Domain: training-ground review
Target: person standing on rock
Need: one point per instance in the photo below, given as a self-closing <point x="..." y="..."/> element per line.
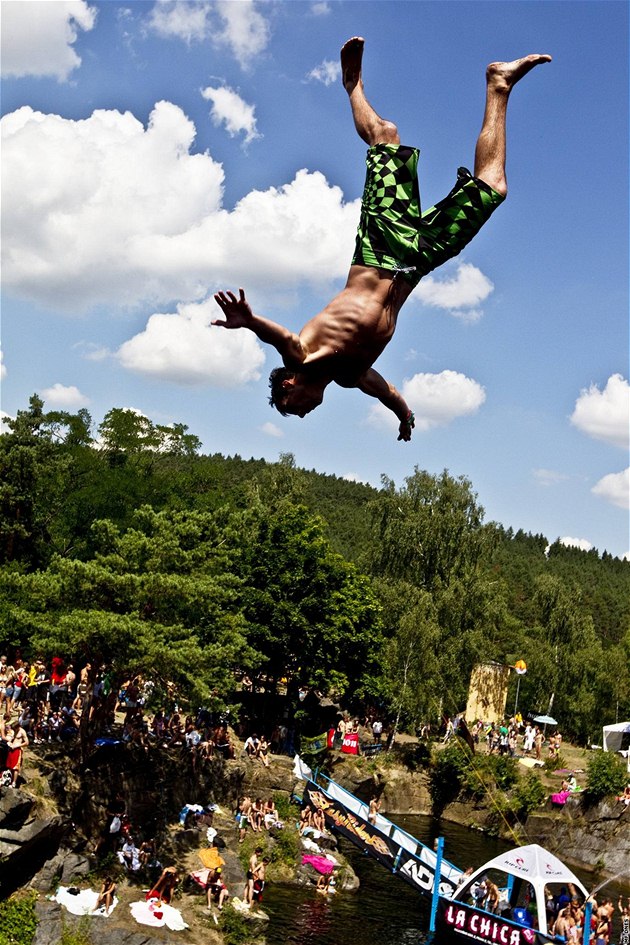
<point x="16" y="740"/>
<point x="254" y="861"/>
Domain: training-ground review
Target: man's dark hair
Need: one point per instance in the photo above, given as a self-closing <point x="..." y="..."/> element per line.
<point x="277" y="376"/>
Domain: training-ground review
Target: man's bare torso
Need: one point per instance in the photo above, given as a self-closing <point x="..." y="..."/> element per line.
<point x="347" y="336"/>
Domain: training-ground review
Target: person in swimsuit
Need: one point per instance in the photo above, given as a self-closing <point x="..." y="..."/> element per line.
<point x="397" y="244"/>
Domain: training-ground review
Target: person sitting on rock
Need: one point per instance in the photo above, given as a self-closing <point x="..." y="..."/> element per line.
<point x="106" y="895"/>
<point x="263" y="751"/>
<point x="270" y="813"/>
<point x="251" y="745"/>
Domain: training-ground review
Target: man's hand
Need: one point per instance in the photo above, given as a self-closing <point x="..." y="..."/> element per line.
<point x="238" y="313"/>
<point x="406" y="426"/>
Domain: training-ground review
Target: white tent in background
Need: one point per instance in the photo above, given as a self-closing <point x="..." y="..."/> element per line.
<point x="617" y="737"/>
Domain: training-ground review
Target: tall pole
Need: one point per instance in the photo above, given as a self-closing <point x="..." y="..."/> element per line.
<point x="518" y="688"/>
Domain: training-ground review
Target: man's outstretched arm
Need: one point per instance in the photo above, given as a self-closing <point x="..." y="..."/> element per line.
<point x="238" y="314"/>
<point x="374" y="385"/>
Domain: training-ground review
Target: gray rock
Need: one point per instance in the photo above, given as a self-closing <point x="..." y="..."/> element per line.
<point x="43" y="880"/>
<point x="15" y="808"/>
<point x="74" y="865"/>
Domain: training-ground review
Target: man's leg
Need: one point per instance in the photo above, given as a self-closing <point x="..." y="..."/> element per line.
<point x="370" y="126"/>
<point x="501" y="77"/>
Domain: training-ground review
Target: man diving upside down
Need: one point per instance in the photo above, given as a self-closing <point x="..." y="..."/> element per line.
<point x="397" y="244"/>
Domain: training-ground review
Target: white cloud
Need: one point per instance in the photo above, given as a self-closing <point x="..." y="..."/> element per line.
<point x="185" y="348"/>
<point x="270" y="429"/>
<point x="326" y="72"/>
<point x="549" y="477"/>
<point x="353" y="477"/>
<point x="238" y="25"/>
<point x="4" y="426"/>
<point x="65" y="397"/>
<point x="459" y="294"/>
<point x="320" y="8"/>
<point x="3" y="367"/>
<point x="229" y="109"/>
<point x="605" y="415"/>
<point x="614" y="488"/>
<point x="581" y="543"/>
<point x="181" y="20"/>
<point x="245" y="31"/>
<point x="37" y="36"/>
<point x="436" y="400"/>
<point x="92" y="352"/>
<point x="106" y="211"/>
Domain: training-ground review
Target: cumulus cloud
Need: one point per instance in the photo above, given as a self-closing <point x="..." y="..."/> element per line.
<point x="3" y="367"/>
<point x="436" y="400"/>
<point x="320" y="8"/>
<point x="65" y="397"/>
<point x="605" y="414"/>
<point x="238" y="26"/>
<point x="184" y="348"/>
<point x="229" y="109"/>
<point x="581" y="543"/>
<point x="106" y="211"/>
<point x="326" y="72"/>
<point x="614" y="488"/>
<point x="460" y="294"/>
<point x="38" y="36"/>
<point x="270" y="429"/>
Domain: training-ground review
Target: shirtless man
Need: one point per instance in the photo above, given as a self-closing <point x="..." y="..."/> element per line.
<point x="16" y="740"/>
<point x="396" y="246"/>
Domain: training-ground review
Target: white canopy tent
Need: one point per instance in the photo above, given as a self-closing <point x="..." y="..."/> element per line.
<point x="617" y="737"/>
<point x="533" y="864"/>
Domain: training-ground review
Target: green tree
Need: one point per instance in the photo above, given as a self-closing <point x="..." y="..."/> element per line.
<point x="160" y="599"/>
<point x="313" y="617"/>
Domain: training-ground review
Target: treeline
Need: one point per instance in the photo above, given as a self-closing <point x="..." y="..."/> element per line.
<point x="123" y="546"/>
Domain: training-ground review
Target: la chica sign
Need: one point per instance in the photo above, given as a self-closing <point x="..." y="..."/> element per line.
<point x="465" y="922"/>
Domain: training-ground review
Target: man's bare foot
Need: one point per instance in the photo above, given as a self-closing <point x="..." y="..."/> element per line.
<point x="351" y="57"/>
<point x="503" y="76"/>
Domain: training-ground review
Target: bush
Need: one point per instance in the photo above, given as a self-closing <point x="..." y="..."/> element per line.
<point x="287" y="812"/>
<point x="528" y="795"/>
<point x="555" y="764"/>
<point x="605" y="776"/>
<point x="234" y="928"/>
<point x="286" y="848"/>
<point x="17" y="919"/>
<point x="448" y="773"/>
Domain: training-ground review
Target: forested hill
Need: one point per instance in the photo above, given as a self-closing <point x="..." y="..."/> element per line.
<point x="125" y="545"/>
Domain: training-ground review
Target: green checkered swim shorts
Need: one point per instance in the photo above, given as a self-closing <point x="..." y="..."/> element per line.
<point x="393" y="232"/>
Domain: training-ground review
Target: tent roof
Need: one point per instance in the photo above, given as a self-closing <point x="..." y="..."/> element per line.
<point x="534" y="862"/>
<point x="618" y="727"/>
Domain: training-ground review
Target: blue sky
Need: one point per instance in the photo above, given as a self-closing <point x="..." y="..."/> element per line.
<point x="154" y="153"/>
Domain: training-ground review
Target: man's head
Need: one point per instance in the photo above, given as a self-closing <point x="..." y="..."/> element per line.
<point x="293" y="393"/>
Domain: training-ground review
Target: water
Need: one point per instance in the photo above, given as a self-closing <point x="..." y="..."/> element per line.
<point x="385" y="911"/>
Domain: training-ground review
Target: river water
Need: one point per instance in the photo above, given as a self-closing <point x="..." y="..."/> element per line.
<point x="385" y="911"/>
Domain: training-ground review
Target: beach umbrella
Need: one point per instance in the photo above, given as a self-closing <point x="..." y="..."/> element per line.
<point x="545" y="720"/>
